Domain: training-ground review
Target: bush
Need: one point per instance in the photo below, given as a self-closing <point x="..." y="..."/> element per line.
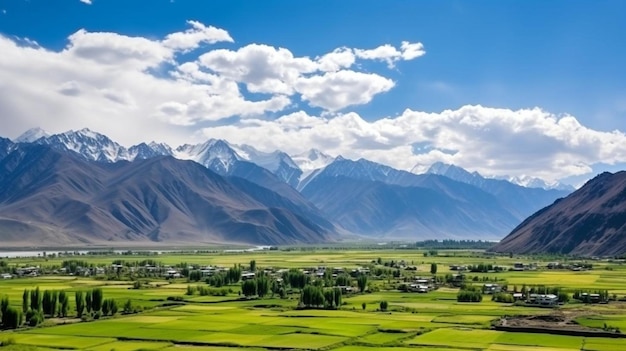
<point x="469" y="294"/>
<point x="503" y="297"/>
<point x="383" y="305"/>
<point x="34" y="318"/>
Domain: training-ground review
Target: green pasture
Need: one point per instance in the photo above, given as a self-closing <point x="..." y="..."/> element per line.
<point x="434" y="321"/>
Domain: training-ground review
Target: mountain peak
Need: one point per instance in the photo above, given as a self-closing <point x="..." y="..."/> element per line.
<point x="31" y="135"/>
<point x="453" y="172"/>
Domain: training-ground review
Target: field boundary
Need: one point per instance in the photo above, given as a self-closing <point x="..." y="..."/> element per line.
<point x="568" y="332"/>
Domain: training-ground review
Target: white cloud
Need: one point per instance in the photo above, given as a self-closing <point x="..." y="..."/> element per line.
<point x="71" y="88"/>
<point x="120" y="84"/>
<point x="117" y="51"/>
<point x="492" y="141"/>
<point x="337" y="90"/>
<point x="115" y="90"/>
<point x="193" y="37"/>
<point x="264" y="69"/>
<point x="336" y="60"/>
<point x="390" y="54"/>
<point x="88" y="2"/>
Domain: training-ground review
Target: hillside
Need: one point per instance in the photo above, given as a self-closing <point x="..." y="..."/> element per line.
<point x="51" y="196"/>
<point x="589" y="222"/>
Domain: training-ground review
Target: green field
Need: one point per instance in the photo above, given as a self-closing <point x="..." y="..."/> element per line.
<point x="166" y="318"/>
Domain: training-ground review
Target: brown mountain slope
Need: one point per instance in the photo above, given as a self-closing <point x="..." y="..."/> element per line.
<point x="52" y="198"/>
<point x="589" y="222"/>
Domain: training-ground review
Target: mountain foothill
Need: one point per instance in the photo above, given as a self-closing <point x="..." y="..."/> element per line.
<point x="80" y="188"/>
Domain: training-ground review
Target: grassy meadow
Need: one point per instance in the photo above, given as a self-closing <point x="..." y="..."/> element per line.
<point x="169" y="319"/>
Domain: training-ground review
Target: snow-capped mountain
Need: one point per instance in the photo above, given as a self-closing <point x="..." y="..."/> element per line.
<point x="456" y="173"/>
<point x="221" y="156"/>
<point x="475" y="178"/>
<point x="311" y="160"/>
<point x="214" y="154"/>
<point x="31" y="135"/>
<point x="532" y="182"/>
<point x="360" y="169"/>
<point x="89" y="144"/>
<point x="276" y="162"/>
<point x="145" y="151"/>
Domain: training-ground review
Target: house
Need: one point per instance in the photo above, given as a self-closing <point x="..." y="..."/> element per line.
<point x="518" y="296"/>
<point x="248" y="275"/>
<point x="6" y="276"/>
<point x="518" y="266"/>
<point x="29" y="271"/>
<point x="346" y="289"/>
<point x="171" y="273"/>
<point x="457" y="267"/>
<point x="419" y="288"/>
<point x="491" y="288"/>
<point x="543" y="300"/>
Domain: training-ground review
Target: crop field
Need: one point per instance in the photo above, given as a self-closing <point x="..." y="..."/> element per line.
<point x="166" y="317"/>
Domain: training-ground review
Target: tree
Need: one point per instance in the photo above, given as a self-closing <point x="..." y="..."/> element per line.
<point x="25" y="300"/>
<point x="343" y="280"/>
<point x="337" y="297"/>
<point x="362" y="282"/>
<point x="433" y="268"/>
<point x="96" y="299"/>
<point x="105" y="307"/>
<point x="128" y="307"/>
<point x="46" y="303"/>
<point x="329" y="299"/>
<point x="35" y="299"/>
<point x="11" y="318"/>
<point x="54" y="297"/>
<point x="89" y="301"/>
<point x="234" y="274"/>
<point x="312" y="296"/>
<point x="80" y="303"/>
<point x="249" y="287"/>
<point x="113" y="307"/>
<point x="64" y="304"/>
<point x="253" y="266"/>
<point x="262" y="286"/>
<point x="4" y="305"/>
<point x="383" y="305"/>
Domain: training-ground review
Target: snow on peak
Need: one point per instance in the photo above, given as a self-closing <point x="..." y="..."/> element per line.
<point x="31" y="135"/>
<point x="534" y="182"/>
<point x="453" y="172"/>
<point x="215" y="154"/>
<point x="312" y="160"/>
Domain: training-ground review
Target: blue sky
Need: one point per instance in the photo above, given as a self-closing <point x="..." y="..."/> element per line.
<point x="564" y="57"/>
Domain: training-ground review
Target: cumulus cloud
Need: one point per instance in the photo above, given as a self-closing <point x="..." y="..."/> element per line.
<point x="263" y="68"/>
<point x="193" y="37"/>
<point x="390" y="54"/>
<point x="491" y="141"/>
<point x="336" y="60"/>
<point x="337" y="90"/>
<point x="118" y="51"/>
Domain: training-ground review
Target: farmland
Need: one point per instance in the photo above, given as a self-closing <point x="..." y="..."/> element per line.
<point x="166" y="317"/>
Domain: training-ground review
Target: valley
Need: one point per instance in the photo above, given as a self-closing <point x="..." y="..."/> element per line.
<point x="160" y="313"/>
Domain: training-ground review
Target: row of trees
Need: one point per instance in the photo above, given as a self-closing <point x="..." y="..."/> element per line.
<point x="259" y="286"/>
<point x="470" y="293"/>
<point x="317" y="297"/>
<point x="585" y="295"/>
<point x="10" y="317"/>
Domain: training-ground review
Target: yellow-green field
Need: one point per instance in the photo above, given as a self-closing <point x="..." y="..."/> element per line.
<point x="434" y="321"/>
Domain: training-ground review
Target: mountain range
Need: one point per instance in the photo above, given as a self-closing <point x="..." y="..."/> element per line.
<point x="221" y="192"/>
<point x="591" y="221"/>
